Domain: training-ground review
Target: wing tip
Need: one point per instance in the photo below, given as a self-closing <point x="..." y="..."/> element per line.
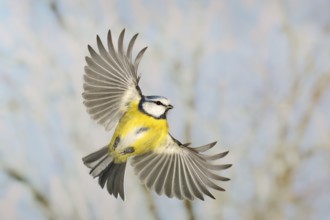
<point x="122" y="35"/>
<point x="144" y="49"/>
<point x="226" y="166"/>
<point x="225" y="179"/>
<point x="98" y="40"/>
<point x="136" y="35"/>
<point x="89" y="47"/>
<point x="211" y="196"/>
<point x="225" y="153"/>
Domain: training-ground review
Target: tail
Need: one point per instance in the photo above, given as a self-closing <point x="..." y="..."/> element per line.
<point x="103" y="167"/>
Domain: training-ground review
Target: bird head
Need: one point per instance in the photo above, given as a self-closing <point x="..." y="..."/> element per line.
<point x="155" y="106"/>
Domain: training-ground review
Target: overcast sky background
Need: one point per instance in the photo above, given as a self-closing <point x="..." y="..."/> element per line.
<point x="253" y="75"/>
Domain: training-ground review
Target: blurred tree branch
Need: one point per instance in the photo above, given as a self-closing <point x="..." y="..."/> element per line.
<point x="40" y="198"/>
<point x="284" y="160"/>
<point x="151" y="203"/>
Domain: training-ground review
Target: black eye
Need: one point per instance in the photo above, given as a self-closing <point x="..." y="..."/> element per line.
<point x="159" y="103"/>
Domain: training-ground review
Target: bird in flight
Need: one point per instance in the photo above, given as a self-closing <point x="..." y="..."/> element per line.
<point x="114" y="99"/>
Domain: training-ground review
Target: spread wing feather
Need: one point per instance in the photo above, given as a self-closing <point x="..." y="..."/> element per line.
<point x="178" y="170"/>
<point x="111" y="80"/>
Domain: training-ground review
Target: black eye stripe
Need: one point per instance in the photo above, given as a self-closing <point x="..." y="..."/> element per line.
<point x="159" y="103"/>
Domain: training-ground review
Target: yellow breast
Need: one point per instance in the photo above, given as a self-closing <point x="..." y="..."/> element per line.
<point x="154" y="134"/>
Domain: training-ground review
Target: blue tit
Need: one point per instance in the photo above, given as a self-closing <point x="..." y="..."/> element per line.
<point x="114" y="99"/>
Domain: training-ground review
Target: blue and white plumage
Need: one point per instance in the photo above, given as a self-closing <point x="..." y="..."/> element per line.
<point x="114" y="99"/>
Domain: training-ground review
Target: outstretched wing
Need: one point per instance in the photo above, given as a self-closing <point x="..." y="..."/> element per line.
<point x="178" y="170"/>
<point x="111" y="80"/>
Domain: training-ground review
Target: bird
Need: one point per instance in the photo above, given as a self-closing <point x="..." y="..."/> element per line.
<point x="113" y="98"/>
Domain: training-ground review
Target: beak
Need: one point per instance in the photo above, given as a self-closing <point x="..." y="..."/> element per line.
<point x="169" y="106"/>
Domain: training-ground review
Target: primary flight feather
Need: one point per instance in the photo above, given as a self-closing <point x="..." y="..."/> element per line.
<point x="114" y="99"/>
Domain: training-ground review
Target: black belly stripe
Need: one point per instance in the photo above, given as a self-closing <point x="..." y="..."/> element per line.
<point x="142" y="129"/>
<point x="115" y="145"/>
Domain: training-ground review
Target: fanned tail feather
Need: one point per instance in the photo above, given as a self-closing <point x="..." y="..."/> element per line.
<point x="108" y="172"/>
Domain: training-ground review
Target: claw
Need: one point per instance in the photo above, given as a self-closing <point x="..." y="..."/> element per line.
<point x="128" y="150"/>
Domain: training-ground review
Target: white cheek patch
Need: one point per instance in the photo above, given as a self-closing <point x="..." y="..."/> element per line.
<point x="153" y="109"/>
